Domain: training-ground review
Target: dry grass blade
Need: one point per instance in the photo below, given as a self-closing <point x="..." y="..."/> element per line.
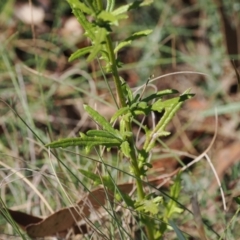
<point x="204" y="154"/>
<point x="29" y="184"/>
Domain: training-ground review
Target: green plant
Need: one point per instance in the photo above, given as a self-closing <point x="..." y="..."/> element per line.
<point x="98" y="21"/>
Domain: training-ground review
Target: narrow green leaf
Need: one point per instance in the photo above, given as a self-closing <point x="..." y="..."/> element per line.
<point x="137" y="4"/>
<point x="67" y="142"/>
<point x="139" y="34"/>
<point x="134" y="5"/>
<point x="85" y="141"/>
<point x="98" y="43"/>
<point x="121" y="10"/>
<point x="104" y="180"/>
<point x="110" y="5"/>
<point x="170" y="103"/>
<point x="80" y="52"/>
<point x="127" y="91"/>
<point x="95" y="50"/>
<point x="122" y="45"/>
<point x="76" y="4"/>
<point x="99" y="119"/>
<point x="125" y="148"/>
<point x="81" y="12"/>
<point x="146" y="3"/>
<point x="180" y="236"/>
<point x="119" y="112"/>
<point x="170" y="107"/>
<point x="108" y="16"/>
<point x="96" y="178"/>
<point x="91" y="141"/>
<point x="88" y="27"/>
<point x="172" y="206"/>
<point x="100" y="133"/>
<point x="160" y="94"/>
<point x="129" y="40"/>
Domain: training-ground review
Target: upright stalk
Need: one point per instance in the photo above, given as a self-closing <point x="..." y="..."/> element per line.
<point x="133" y="157"/>
<point x="122" y="102"/>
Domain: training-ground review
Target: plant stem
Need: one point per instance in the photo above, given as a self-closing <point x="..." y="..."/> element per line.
<point x="122" y="103"/>
<point x="133" y="157"/>
<point x="116" y="77"/>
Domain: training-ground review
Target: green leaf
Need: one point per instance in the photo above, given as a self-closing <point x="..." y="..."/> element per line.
<point x="97" y="5"/>
<point x="172" y="206"/>
<point x="134" y="5"/>
<point x="135" y="107"/>
<point x="97" y="179"/>
<point x="127" y="91"/>
<point x="95" y="50"/>
<point x="170" y="107"/>
<point x="76" y="4"/>
<point x="100" y="141"/>
<point x="80" y="52"/>
<point x="121" y="10"/>
<point x="140" y="108"/>
<point x="122" y="45"/>
<point x="109" y="17"/>
<point x="170" y="104"/>
<point x="149" y="205"/>
<point x="180" y="236"/>
<point x="100" y="133"/>
<point x="139" y="34"/>
<point x="137" y="4"/>
<point x="99" y="119"/>
<point x="146" y="3"/>
<point x="160" y="94"/>
<point x="86" y="141"/>
<point x="129" y="40"/>
<point x="110" y="5"/>
<point x="98" y="43"/>
<point x="119" y="112"/>
<point x="125" y="148"/>
<point x="82" y="19"/>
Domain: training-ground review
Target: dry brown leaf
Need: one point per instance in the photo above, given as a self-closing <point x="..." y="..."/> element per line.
<point x="23" y="219"/>
<point x="67" y="217"/>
